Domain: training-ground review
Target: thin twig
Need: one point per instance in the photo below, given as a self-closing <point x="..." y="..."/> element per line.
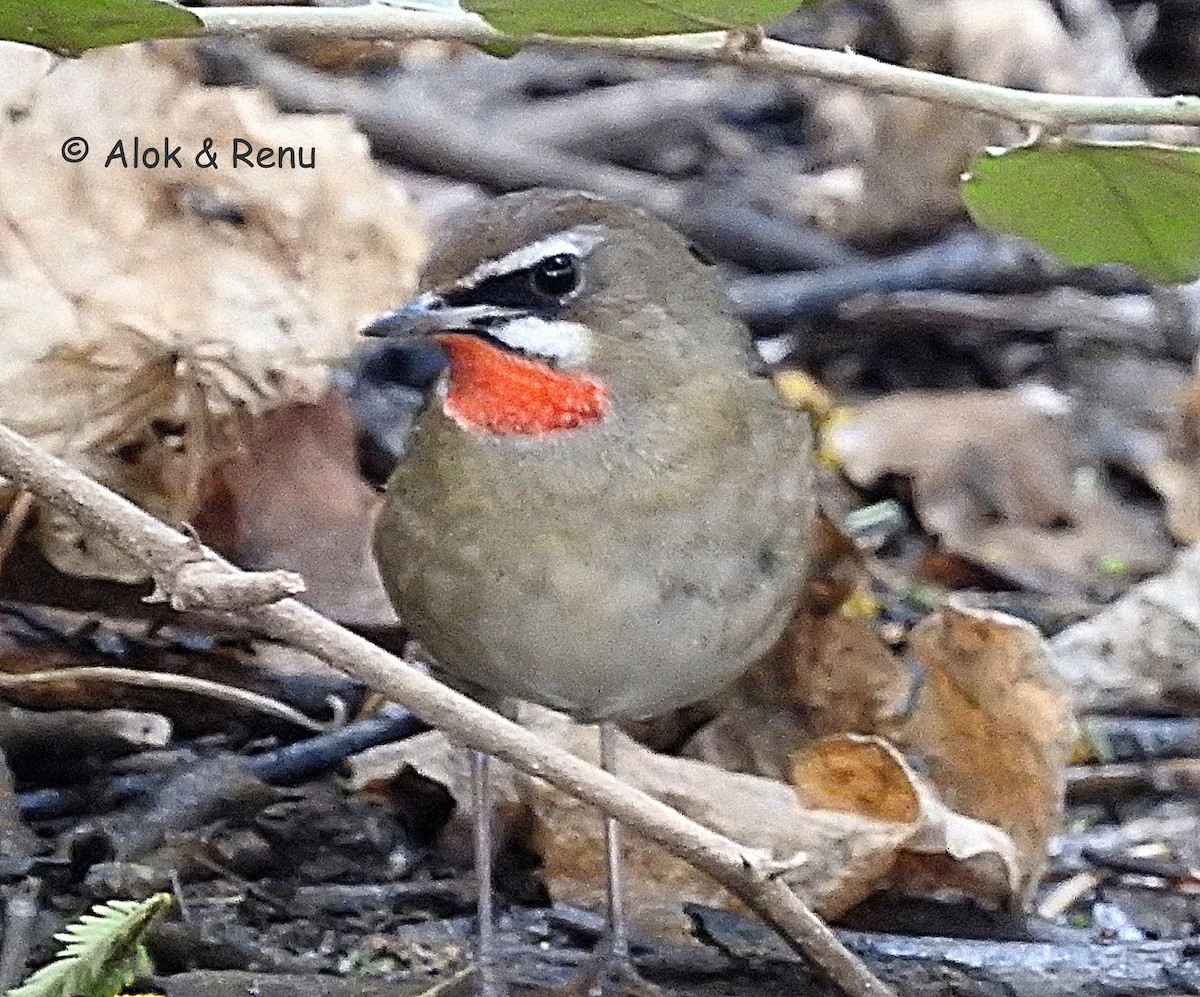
<point x="20" y="921"/>
<point x="14" y="522"/>
<point x="165" y="680"/>
<point x="201" y="582"/>
<point x="1051" y="112"/>
<point x="736" y="867"/>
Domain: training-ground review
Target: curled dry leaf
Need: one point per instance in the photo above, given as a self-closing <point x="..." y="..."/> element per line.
<point x="845" y="855"/>
<point x="938" y="849"/>
<point x="993" y="729"/>
<point x="989" y="726"/>
<point x="996" y="477"/>
<point x="146" y="315"/>
<point x="859" y="821"/>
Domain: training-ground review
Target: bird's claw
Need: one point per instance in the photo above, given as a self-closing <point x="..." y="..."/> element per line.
<point x="607" y="973"/>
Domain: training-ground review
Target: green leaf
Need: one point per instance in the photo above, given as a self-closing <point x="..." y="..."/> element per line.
<point x="624" y="18"/>
<point x="69" y="27"/>
<point x="429" y="6"/>
<point x="1092" y="203"/>
<point x="104" y="952"/>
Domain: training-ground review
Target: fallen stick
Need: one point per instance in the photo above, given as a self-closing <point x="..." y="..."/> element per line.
<point x="167" y="553"/>
<point x="280" y="767"/>
<point x="971" y="967"/>
<point x="441" y="140"/>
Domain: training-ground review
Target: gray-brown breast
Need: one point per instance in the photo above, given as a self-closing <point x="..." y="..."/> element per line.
<point x="616" y="571"/>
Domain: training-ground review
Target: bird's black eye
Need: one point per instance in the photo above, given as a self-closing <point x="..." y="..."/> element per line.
<point x="556" y="276"/>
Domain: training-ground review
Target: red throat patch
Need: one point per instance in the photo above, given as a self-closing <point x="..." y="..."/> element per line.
<point x="505" y="393"/>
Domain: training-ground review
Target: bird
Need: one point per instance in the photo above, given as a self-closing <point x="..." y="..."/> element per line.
<point x="605" y="506"/>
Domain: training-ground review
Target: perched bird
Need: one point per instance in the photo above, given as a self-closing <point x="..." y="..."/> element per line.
<point x="605" y="508"/>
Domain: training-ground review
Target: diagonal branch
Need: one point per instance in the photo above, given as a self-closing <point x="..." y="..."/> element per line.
<point x="163" y="550"/>
<point x="1051" y="112"/>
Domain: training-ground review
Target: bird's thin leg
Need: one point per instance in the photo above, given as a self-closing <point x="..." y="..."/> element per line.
<point x="610" y="963"/>
<point x="615" y="964"/>
<point x="490" y="982"/>
<point x="618" y="929"/>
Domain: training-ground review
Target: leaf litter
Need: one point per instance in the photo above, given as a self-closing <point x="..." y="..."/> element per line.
<point x="929" y="761"/>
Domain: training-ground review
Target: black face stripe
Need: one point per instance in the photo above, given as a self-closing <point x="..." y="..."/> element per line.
<point x="517" y="289"/>
<point x="507" y="290"/>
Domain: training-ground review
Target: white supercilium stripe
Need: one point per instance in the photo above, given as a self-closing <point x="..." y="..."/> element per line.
<point x="577" y="242"/>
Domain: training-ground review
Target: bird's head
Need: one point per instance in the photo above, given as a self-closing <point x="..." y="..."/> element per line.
<point x="550" y="307"/>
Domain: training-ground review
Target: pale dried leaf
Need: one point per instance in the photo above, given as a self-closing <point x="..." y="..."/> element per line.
<point x="894" y="164"/>
<point x="991" y="732"/>
<point x="1142" y="653"/>
<point x="846" y="856"/>
<point x="994" y="729"/>
<point x="146" y="315"/>
<point x="996" y="477"/>
<point x="940" y="850"/>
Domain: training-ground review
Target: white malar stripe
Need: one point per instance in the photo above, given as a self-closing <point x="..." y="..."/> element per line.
<point x="565" y="342"/>
<point x="575" y="242"/>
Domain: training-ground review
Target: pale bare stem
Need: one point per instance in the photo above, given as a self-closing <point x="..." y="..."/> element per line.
<point x="162" y="549"/>
<point x="14" y="522"/>
<point x="1052" y="111"/>
<point x="205" y="584"/>
<point x="165" y="680"/>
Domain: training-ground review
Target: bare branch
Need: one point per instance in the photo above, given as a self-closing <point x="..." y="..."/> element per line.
<point x="162" y="549"/>
<point x="165" y="680"/>
<point x="1050" y="112"/>
<point x="204" y="584"/>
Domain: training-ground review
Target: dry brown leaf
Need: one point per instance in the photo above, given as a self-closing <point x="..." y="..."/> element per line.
<point x="147" y="315"/>
<point x="991" y="732"/>
<point x="994" y="729"/>
<point x="846" y="854"/>
<point x="862" y="820"/>
<point x="858" y="775"/>
<point x="829" y="674"/>
<point x="293" y="499"/>
<point x="940" y="850"/>
<point x="996" y="478"/>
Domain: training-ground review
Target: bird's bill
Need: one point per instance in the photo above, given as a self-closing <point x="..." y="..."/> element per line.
<point x="430" y="314"/>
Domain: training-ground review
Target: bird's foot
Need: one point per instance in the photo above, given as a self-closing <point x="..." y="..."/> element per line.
<point x="609" y="974"/>
<point x="470" y="982"/>
<point x="490" y="985"/>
